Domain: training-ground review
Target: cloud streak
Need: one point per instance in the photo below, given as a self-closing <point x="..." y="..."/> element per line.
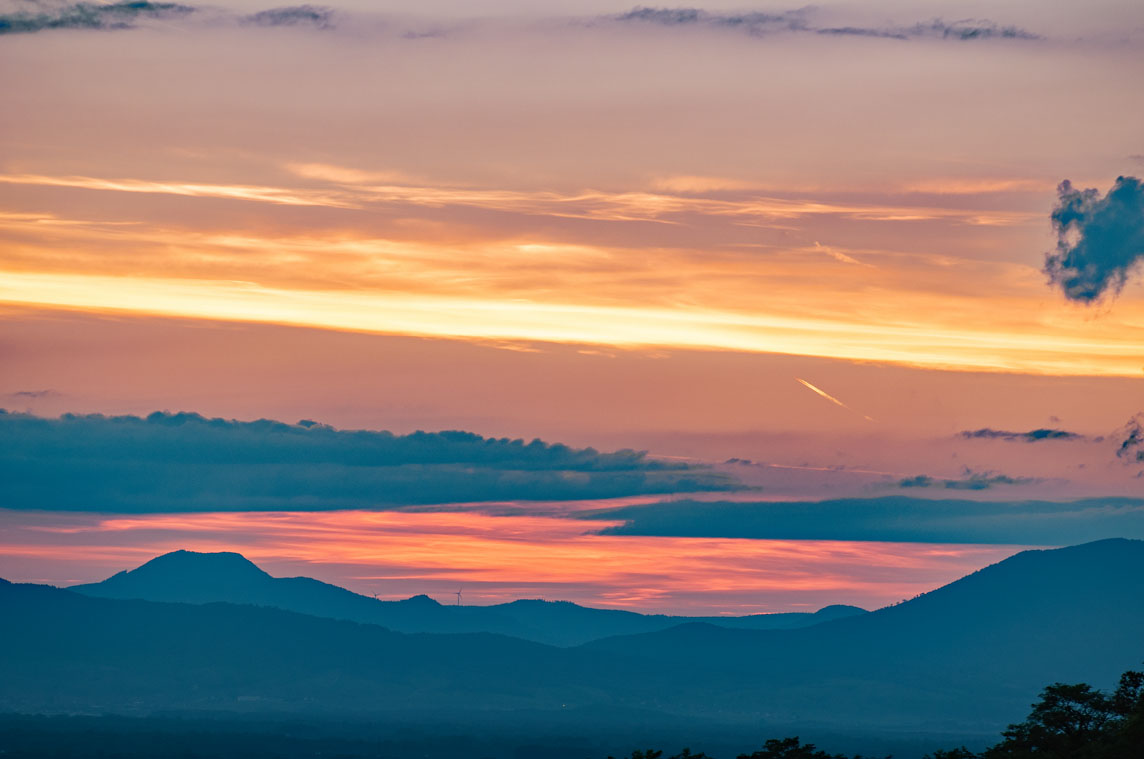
<point x="1100" y="240"/>
<point x="98" y="16"/>
<point x="802" y="20"/>
<point x="971" y="481"/>
<point x="893" y="518"/>
<point x="1032" y="436"/>
<point x="122" y="15"/>
<point x="294" y="15"/>
<point x="348" y="190"/>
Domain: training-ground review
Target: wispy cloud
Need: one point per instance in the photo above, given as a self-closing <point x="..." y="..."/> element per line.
<point x="805" y="20"/>
<point x="295" y="15"/>
<point x="276" y="195"/>
<point x="1032" y="436"/>
<point x="126" y="14"/>
<point x="754" y="23"/>
<point x="1131" y="447"/>
<point x="33" y="394"/>
<point x="102" y="16"/>
<point x="970" y="481"/>
<point x="350" y="188"/>
<point x="962" y="30"/>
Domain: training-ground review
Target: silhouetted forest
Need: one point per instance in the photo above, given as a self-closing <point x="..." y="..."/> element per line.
<point x="1067" y="722"/>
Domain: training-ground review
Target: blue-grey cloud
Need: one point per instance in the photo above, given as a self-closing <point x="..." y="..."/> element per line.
<point x="801" y="20"/>
<point x="1100" y="240"/>
<point x="970" y="481"/>
<point x="294" y="15"/>
<point x="893" y="518"/>
<point x="862" y="31"/>
<point x="1032" y="436"/>
<point x="1131" y="447"/>
<point x="185" y="462"/>
<point x="750" y="22"/>
<point x="121" y="15"/>
<point x="969" y="29"/>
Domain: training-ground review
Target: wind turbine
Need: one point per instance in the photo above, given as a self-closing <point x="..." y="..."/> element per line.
<point x="459" y="590"/>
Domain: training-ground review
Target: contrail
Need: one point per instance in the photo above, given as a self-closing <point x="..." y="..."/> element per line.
<point x="831" y="398"/>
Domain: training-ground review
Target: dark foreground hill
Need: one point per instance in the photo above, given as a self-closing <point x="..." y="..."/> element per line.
<point x="968" y="658"/>
<point x="189" y="577"/>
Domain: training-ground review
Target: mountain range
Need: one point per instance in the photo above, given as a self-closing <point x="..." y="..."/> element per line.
<point x="966" y="658"/>
<point x="198" y="578"/>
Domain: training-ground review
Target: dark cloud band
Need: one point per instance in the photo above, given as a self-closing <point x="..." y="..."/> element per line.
<point x="185" y="462"/>
<point x="894" y="518"/>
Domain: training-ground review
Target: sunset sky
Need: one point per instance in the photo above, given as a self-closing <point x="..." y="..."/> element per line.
<point x="804" y="247"/>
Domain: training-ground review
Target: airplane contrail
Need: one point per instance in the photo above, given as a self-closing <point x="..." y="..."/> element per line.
<point x="831" y="398"/>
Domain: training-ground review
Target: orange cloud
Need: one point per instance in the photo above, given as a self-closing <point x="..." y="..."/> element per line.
<point x="516" y="278"/>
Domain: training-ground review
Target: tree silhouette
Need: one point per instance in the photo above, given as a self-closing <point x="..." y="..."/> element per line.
<point x="1080" y="722"/>
<point x="789" y="748"/>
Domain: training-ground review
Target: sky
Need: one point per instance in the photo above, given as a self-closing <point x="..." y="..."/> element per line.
<point x="863" y="250"/>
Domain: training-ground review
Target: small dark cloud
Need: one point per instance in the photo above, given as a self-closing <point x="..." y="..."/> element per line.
<point x="1100" y="240"/>
<point x="970" y="481"/>
<point x="1032" y="436"/>
<point x="187" y="462"/>
<point x="294" y="15"/>
<point x="752" y="22"/>
<point x="1131" y="436"/>
<point x="30" y="395"/>
<point x="426" y="34"/>
<point x="970" y="29"/>
<point x="88" y="16"/>
<point x="800" y="21"/>
<point x="860" y="31"/>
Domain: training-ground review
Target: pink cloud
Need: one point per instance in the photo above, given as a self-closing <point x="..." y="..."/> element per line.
<point x="497" y="558"/>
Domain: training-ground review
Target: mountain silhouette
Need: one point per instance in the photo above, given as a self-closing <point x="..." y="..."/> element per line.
<point x="967" y="657"/>
<point x="190" y="577"/>
<point x="1069" y="614"/>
